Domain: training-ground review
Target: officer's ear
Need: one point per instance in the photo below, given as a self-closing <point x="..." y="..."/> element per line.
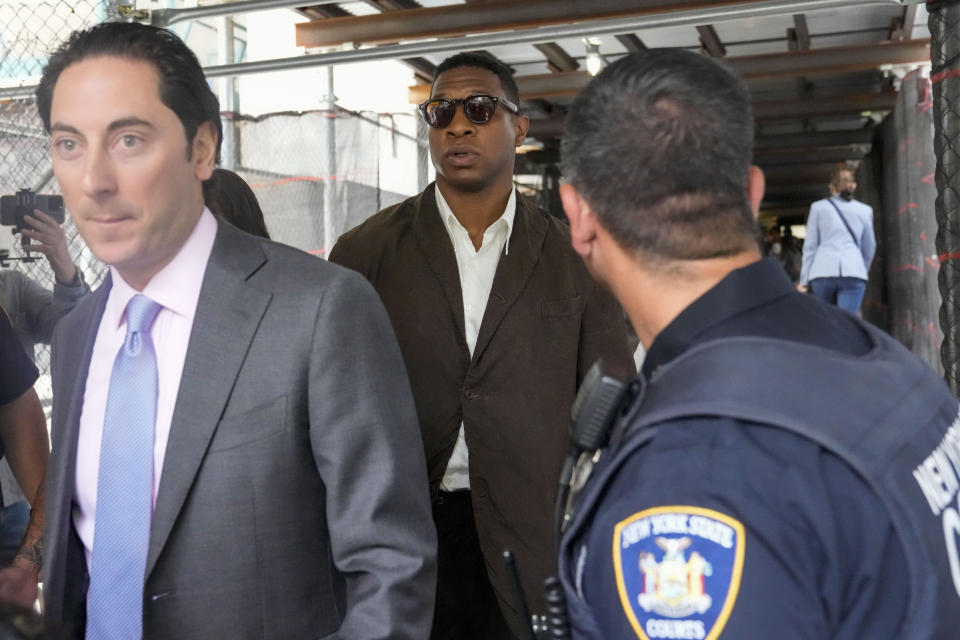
<point x="583" y="220"/>
<point x="756" y="186"/>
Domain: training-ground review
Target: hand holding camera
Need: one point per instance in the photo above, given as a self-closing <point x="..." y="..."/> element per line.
<point x="47" y="237"/>
<point x="37" y="217"/>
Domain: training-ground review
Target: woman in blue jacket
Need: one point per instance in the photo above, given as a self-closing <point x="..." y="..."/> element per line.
<point x="839" y="246"/>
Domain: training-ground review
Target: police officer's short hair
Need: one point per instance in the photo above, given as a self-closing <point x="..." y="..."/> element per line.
<point x="660" y="144"/>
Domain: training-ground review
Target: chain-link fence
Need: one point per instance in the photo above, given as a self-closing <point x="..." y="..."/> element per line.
<point x="29" y="31"/>
<point x="945" y="77"/>
<point x="316" y="174"/>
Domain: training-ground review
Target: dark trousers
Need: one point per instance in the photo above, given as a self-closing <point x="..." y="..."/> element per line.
<point x="466" y="605"/>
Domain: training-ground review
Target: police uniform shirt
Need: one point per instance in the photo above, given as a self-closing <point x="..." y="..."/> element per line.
<point x="819" y="557"/>
<point x="17" y="373"/>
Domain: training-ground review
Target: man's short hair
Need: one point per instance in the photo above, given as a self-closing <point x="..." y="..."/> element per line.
<point x="660" y="144"/>
<point x="483" y="60"/>
<point x="183" y="87"/>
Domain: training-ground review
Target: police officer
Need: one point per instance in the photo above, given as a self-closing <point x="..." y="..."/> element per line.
<point x="781" y="469"/>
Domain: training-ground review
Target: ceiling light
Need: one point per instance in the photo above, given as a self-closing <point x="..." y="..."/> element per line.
<point x="595" y="60"/>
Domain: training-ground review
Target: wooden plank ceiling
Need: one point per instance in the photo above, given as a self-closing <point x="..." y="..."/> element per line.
<point x="821" y="81"/>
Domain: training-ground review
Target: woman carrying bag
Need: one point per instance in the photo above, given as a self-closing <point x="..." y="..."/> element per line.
<point x="839" y="246"/>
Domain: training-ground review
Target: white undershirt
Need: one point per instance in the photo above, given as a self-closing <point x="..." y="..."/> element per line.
<point x="476" y="268"/>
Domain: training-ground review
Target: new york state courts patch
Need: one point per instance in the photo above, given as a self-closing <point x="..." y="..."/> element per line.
<point x="678" y="571"/>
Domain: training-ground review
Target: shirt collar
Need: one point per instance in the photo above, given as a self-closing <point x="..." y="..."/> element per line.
<point x="176" y="287"/>
<point x="741" y="290"/>
<point x="507" y="217"/>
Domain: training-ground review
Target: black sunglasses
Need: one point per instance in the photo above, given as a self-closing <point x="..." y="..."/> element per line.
<point x="478" y="108"/>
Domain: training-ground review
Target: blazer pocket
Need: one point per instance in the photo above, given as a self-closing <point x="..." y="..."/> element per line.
<point x="561" y="307"/>
<point x="251" y="426"/>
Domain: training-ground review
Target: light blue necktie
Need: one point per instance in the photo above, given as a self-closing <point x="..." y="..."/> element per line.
<point x="125" y="484"/>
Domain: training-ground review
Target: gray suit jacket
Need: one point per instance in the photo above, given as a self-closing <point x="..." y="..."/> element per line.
<point x="293" y="501"/>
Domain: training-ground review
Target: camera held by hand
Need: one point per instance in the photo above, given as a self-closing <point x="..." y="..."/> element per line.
<point x="14" y="208"/>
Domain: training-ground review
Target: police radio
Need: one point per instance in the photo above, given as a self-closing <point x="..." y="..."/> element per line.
<point x="594" y="412"/>
<point x="598" y="403"/>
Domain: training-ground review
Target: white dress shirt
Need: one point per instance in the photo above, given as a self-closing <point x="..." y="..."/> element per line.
<point x="177" y="288"/>
<point x="477" y="268"/>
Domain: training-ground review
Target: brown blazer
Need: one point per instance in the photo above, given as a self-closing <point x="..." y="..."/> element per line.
<point x="545" y="324"/>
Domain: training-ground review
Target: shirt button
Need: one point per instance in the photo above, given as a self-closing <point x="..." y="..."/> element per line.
<point x="469" y="307"/>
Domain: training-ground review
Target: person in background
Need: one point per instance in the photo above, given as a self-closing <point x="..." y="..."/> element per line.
<point x="230" y="198"/>
<point x="791" y="255"/>
<point x="823" y="507"/>
<point x="33" y="310"/>
<point x="23" y="439"/>
<point x="498" y="322"/>
<point x="34" y="313"/>
<point x="839" y="246"/>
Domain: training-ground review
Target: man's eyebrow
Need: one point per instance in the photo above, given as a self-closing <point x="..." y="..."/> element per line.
<point x="129" y="122"/>
<point x="57" y="126"/>
<point x="116" y="124"/>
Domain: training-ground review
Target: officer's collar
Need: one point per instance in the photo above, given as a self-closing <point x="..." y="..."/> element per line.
<point x="741" y="290"/>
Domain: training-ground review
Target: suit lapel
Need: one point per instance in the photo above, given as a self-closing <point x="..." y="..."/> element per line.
<point x="513" y="270"/>
<point x="75" y="353"/>
<point x="228" y="314"/>
<point x="435" y="245"/>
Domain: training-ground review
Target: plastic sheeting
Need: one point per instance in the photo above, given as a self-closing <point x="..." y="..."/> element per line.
<point x="318" y="174"/>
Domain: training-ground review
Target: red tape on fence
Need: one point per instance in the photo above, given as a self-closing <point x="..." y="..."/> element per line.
<point x="943" y="75"/>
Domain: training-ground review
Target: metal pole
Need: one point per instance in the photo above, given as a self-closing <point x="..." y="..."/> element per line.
<point x="44" y="181"/>
<point x="423" y="154"/>
<point x="228" y="93"/>
<point x="331" y="226"/>
<point x="166" y="17"/>
<point x="945" y="76"/>
<point x="758" y="9"/>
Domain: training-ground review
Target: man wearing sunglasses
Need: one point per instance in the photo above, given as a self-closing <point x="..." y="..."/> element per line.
<point x="498" y="321"/>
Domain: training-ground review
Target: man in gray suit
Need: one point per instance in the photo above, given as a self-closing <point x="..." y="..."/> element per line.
<point x="282" y="455"/>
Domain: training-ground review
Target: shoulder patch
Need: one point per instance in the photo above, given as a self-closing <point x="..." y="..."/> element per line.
<point x="678" y="571"/>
